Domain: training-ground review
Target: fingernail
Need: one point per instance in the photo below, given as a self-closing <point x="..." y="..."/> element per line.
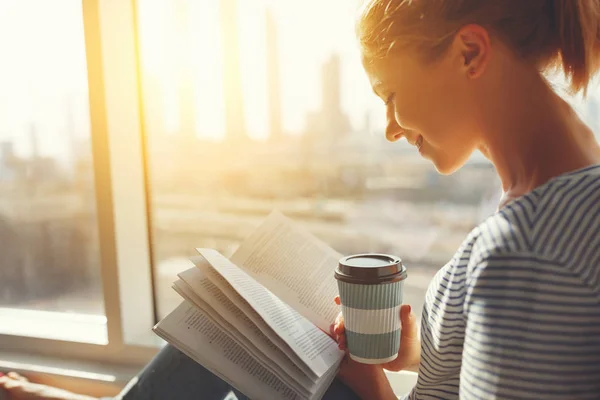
<point x="409" y="309"/>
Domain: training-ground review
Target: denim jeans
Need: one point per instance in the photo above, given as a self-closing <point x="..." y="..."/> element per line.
<point x="171" y="375"/>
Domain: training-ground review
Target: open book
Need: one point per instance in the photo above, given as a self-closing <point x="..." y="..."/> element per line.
<point x="257" y="320"/>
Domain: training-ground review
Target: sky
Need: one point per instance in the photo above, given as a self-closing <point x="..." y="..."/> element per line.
<point x="309" y="31"/>
<point x="43" y="69"/>
<point x="43" y="78"/>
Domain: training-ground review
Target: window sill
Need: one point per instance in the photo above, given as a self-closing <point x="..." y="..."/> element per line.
<point x="54" y="325"/>
<point x="93" y="379"/>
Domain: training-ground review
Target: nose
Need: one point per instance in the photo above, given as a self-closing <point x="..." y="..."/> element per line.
<point x="393" y="131"/>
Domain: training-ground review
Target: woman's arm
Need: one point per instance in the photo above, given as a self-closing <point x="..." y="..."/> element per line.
<point x="369" y="382"/>
<point x="531" y="331"/>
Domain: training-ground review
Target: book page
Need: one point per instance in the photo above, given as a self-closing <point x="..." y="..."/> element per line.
<point x="294" y="265"/>
<point x="239" y="302"/>
<point x="192" y="332"/>
<point x="272" y="359"/>
<point x="206" y="290"/>
<point x="318" y="351"/>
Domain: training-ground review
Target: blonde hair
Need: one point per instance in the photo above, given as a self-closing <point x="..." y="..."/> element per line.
<point x="561" y="34"/>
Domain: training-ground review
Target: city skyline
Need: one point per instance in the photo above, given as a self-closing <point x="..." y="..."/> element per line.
<point x="56" y="102"/>
<point x="291" y="70"/>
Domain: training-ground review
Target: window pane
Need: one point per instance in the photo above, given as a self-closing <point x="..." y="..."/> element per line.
<point x="50" y="268"/>
<point x="248" y="110"/>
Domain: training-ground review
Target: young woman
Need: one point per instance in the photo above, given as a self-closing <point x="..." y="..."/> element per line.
<point x="516" y="313"/>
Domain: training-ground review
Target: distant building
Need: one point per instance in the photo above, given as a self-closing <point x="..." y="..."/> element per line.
<point x="235" y="126"/>
<point x="7" y="162"/>
<point x="330" y="123"/>
<point x="331" y="85"/>
<point x="38" y="168"/>
<point x="42" y="258"/>
<point x="28" y="171"/>
<point x="273" y="79"/>
<point x="185" y="71"/>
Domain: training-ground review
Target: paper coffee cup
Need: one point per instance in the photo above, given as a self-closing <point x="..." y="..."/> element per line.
<point x="371" y="287"/>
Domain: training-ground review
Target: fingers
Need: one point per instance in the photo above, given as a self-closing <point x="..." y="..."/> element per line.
<point x="337" y="329"/>
<point x="409" y="322"/>
<point x="12" y="380"/>
<point x="339" y="325"/>
<point x="405" y="311"/>
<point x="10" y="384"/>
<point x="17" y="377"/>
<point x="342" y="342"/>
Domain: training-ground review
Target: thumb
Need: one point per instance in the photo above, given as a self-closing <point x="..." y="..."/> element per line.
<point x="409" y="322"/>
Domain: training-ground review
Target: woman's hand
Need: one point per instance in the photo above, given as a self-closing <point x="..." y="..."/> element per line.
<point x="409" y="355"/>
<point x="369" y="382"/>
<point x="19" y="388"/>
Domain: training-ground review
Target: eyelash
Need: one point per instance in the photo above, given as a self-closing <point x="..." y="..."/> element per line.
<point x="390" y="99"/>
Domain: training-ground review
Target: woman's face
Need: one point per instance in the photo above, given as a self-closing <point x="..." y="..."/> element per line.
<point x="429" y="104"/>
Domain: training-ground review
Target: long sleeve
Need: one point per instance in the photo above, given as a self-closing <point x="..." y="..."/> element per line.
<point x="532" y="331"/>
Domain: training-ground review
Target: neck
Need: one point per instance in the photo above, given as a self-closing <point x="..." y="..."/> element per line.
<point x="531" y="135"/>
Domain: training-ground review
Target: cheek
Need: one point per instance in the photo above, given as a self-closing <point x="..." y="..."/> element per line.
<point x="443" y="102"/>
<point x="447" y="120"/>
<point x="404" y="113"/>
<point x="434" y="109"/>
<point x="411" y="113"/>
<point x="411" y="104"/>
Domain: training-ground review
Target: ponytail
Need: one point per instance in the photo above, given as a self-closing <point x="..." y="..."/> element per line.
<point x="564" y="34"/>
<point x="577" y="24"/>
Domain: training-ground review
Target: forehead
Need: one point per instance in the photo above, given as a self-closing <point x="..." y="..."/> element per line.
<point x="395" y="69"/>
<point x="378" y="70"/>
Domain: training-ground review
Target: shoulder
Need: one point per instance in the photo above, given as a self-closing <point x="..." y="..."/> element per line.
<point x="552" y="229"/>
<point x="523" y="284"/>
<point x="531" y="303"/>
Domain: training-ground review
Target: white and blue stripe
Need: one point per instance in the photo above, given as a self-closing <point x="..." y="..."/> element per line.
<point x="516" y="313"/>
<point x="371" y="320"/>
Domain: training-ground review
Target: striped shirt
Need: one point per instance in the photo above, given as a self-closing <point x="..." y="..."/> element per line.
<point x="516" y="313"/>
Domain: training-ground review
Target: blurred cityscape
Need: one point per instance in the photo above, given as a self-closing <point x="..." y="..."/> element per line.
<point x="343" y="182"/>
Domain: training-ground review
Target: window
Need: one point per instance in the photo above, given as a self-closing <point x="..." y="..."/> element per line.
<point x="48" y="231"/>
<point x="233" y="108"/>
<point x="248" y="110"/>
<point x="72" y="202"/>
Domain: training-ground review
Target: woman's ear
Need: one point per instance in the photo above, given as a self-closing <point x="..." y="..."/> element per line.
<point x="472" y="44"/>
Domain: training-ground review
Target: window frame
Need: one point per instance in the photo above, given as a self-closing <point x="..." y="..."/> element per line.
<point x="121" y="193"/>
<point x="123" y="212"/>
